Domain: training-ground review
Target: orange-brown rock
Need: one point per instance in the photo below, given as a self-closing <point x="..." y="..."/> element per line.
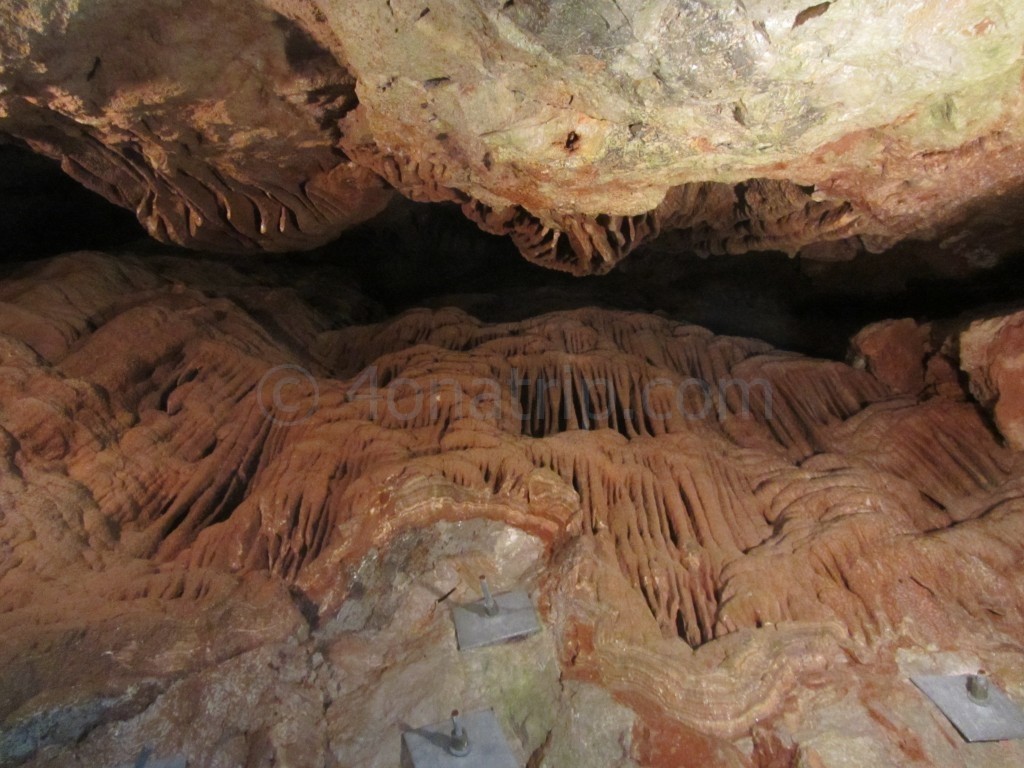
<point x="579" y="130"/>
<point x="208" y="484"/>
<point x="992" y="355"/>
<point x="894" y="352"/>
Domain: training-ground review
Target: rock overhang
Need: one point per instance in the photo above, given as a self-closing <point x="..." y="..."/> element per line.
<point x="582" y="130"/>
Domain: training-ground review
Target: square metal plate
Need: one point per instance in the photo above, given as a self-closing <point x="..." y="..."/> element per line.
<point x="146" y="760"/>
<point x="516" y="618"/>
<point x="178" y="761"/>
<point x="488" y="748"/>
<point x="996" y="720"/>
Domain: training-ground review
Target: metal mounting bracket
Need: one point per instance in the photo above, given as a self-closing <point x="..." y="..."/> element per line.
<point x="493" y="620"/>
<point x="975" y="706"/>
<point x="474" y="740"/>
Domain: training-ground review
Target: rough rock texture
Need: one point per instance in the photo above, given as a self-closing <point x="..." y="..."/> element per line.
<point x="894" y="352"/>
<point x="230" y="523"/>
<point x="992" y="355"/>
<point x="580" y="129"/>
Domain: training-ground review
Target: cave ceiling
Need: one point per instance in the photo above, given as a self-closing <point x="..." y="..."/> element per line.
<point x="753" y="478"/>
<point x="581" y="130"/>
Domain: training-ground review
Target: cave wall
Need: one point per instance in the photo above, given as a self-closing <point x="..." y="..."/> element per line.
<point x="581" y="130"/>
<point x="217" y="488"/>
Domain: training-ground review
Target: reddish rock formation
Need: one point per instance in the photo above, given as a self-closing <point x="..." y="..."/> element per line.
<point x="236" y="504"/>
<point x="894" y="352"/>
<point x="991" y="354"/>
<point x="205" y="478"/>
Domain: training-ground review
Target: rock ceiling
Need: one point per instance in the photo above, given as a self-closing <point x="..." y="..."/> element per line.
<point x="579" y="129"/>
<point x="236" y="495"/>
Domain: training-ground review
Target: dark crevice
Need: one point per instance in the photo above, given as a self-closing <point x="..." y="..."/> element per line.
<point x="430" y="255"/>
<point x="44" y="212"/>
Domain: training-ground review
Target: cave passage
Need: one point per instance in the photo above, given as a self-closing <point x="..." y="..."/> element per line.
<point x="429" y="255"/>
<point x="239" y="490"/>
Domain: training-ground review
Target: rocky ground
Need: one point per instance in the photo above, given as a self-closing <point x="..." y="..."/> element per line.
<point x="236" y="503"/>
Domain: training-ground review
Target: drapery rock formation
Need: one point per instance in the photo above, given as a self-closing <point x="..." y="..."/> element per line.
<point x="580" y="130"/>
<point x="243" y="515"/>
<point x="991" y="351"/>
<point x="240" y="492"/>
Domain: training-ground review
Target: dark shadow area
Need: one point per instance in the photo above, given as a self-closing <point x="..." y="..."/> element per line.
<point x="416" y="255"/>
<point x="43" y="212"/>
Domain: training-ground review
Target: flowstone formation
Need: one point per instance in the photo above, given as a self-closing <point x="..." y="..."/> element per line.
<point x="240" y="493"/>
<point x="233" y="520"/>
<point x="579" y="129"/>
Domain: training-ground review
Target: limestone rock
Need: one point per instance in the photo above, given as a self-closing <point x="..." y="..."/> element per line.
<point x="894" y="352"/>
<point x="230" y="524"/>
<point x="593" y="730"/>
<point x="581" y="130"/>
<point x="992" y="354"/>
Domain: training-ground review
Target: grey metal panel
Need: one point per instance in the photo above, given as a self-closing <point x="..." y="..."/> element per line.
<point x="146" y="760"/>
<point x="516" y="617"/>
<point x="488" y="748"/>
<point x="993" y="719"/>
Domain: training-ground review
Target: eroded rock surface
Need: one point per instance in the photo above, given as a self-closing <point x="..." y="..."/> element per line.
<point x="992" y="354"/>
<point x="894" y="352"/>
<point x="231" y="522"/>
<point x="579" y="129"/>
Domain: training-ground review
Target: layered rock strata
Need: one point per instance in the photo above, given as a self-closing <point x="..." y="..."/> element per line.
<point x="204" y="476"/>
